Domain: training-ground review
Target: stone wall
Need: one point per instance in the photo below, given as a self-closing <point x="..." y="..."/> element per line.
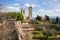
<point x="7" y="28"/>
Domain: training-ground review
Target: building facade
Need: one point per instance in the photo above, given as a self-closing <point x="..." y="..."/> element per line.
<point x="23" y="12"/>
<point x="8" y="28"/>
<point x="30" y="13"/>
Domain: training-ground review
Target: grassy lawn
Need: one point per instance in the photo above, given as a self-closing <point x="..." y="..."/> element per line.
<point x="40" y="34"/>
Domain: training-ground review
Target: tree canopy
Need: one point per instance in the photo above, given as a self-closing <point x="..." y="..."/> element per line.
<point x="17" y="16"/>
<point x="47" y="18"/>
<point x="38" y="18"/>
<point x="57" y="19"/>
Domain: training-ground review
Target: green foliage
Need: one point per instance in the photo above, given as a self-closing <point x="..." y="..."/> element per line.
<point x="33" y="22"/>
<point x="38" y="18"/>
<point x="57" y="28"/>
<point x="17" y="16"/>
<point x="45" y="32"/>
<point x="13" y="15"/>
<point x="38" y="34"/>
<point x="57" y="19"/>
<point x="47" y="18"/>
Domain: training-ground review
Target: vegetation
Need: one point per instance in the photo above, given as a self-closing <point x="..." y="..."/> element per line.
<point x="57" y="19"/>
<point x="38" y="18"/>
<point x="42" y="31"/>
<point x="47" y="18"/>
<point x="17" y="16"/>
<point x="33" y="22"/>
<point x="46" y="32"/>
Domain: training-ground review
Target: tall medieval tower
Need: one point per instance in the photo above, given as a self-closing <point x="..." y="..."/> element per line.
<point x="23" y="12"/>
<point x="30" y="12"/>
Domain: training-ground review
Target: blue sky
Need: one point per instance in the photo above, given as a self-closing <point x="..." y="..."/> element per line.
<point x="40" y="7"/>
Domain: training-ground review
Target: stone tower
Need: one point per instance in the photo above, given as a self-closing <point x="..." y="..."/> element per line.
<point x="23" y="12"/>
<point x="30" y="12"/>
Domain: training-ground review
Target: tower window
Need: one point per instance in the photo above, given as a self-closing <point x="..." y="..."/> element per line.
<point x="1" y="21"/>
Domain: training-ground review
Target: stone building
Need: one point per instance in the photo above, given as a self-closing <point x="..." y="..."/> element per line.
<point x="8" y="28"/>
<point x="23" y="12"/>
<point x="30" y="13"/>
<point x="27" y="29"/>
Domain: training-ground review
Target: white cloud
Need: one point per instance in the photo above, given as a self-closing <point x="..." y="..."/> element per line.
<point x="16" y="4"/>
<point x="51" y="12"/>
<point x="12" y="9"/>
<point x="44" y="3"/>
<point x="57" y="5"/>
<point x="27" y="5"/>
<point x="55" y="0"/>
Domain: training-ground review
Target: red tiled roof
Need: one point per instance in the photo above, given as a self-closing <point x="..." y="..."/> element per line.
<point x="27" y="29"/>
